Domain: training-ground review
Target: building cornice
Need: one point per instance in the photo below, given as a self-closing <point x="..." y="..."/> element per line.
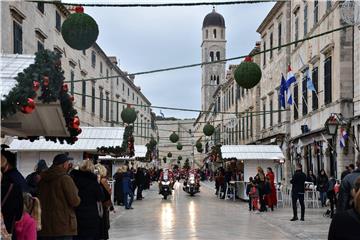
<point x="271" y="15"/>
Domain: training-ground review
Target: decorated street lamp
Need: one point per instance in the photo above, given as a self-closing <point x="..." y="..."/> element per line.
<point x="331" y="125"/>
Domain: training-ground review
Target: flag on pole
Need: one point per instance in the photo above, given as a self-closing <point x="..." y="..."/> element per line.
<point x="290" y="80"/>
<point x="309" y="82"/>
<point x="282" y="92"/>
<point x="343" y="136"/>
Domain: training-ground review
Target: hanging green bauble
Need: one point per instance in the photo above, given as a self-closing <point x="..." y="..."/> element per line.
<point x="198" y="145"/>
<point x="208" y="129"/>
<point x="169" y="155"/>
<point x="200" y="150"/>
<point x="179" y="146"/>
<point x="179" y="158"/>
<point x="164" y="159"/>
<point x="174" y="137"/>
<point x="247" y="74"/>
<point x="128" y="115"/>
<point x="79" y="30"/>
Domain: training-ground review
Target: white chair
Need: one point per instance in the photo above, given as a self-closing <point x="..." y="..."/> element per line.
<point x="230" y="187"/>
<point x="280" y="198"/>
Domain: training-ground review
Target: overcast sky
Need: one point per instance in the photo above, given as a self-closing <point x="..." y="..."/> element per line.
<point x="151" y="38"/>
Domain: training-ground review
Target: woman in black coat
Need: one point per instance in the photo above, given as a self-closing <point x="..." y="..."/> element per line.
<point x="118" y="192"/>
<point x="345" y="224"/>
<point x="322" y="183"/>
<point x="90" y="193"/>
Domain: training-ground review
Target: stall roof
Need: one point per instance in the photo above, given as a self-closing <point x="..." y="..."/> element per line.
<point x="89" y="140"/>
<point x="252" y="152"/>
<point x="11" y="65"/>
<point x="140" y="151"/>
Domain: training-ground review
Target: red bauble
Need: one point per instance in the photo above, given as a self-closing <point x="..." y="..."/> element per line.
<point x="29" y="107"/>
<point x="65" y="87"/>
<point x="46" y="81"/>
<point x="36" y="85"/>
<point x="79" y="9"/>
<point x="76" y="122"/>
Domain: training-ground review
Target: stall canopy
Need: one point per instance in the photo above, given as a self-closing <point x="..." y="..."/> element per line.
<point x="46" y="120"/>
<point x="89" y="140"/>
<point x="248" y="152"/>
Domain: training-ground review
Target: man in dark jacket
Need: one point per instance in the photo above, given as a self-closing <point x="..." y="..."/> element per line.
<point x="140" y="182"/>
<point x="58" y="197"/>
<point x="345" y="188"/>
<point x="298" y="191"/>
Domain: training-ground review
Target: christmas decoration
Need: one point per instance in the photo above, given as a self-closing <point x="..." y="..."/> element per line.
<point x="208" y="129"/>
<point x="65" y="87"/>
<point x="76" y="122"/>
<point x="187" y="164"/>
<point x="46" y="76"/>
<point x="200" y="150"/>
<point x="169" y="155"/>
<point x="179" y="158"/>
<point x="198" y="145"/>
<point x="215" y="154"/>
<point x="174" y="137"/>
<point x="29" y="107"/>
<point x="79" y="30"/>
<point x="179" y="146"/>
<point x="128" y="115"/>
<point x="247" y="74"/>
<point x="36" y="86"/>
<point x="164" y="159"/>
<point x="151" y="147"/>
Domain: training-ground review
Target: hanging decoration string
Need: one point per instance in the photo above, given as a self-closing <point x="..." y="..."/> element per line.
<point x="214" y="62"/>
<point x="128" y="5"/>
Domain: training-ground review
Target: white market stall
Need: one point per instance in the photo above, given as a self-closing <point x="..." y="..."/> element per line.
<point x="253" y="156"/>
<point x="28" y="153"/>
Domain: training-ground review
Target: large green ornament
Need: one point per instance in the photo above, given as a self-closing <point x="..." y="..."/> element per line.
<point x="247" y="74"/>
<point x="174" y="137"/>
<point x="179" y="146"/>
<point x="169" y="155"/>
<point x="208" y="129"/>
<point x="179" y="158"/>
<point x="198" y="145"/>
<point x="128" y="115"/>
<point x="79" y="30"/>
<point x="200" y="150"/>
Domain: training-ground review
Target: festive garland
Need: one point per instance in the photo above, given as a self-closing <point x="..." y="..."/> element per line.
<point x="127" y="146"/>
<point x="43" y="81"/>
<point x="215" y="153"/>
<point x="151" y="146"/>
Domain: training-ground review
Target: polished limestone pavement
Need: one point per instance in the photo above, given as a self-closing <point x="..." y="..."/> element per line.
<point x="206" y="217"/>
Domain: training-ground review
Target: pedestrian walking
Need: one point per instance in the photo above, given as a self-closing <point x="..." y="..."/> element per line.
<point x="298" y="191"/>
<point x="58" y="197"/>
<point x="106" y="203"/>
<point x="127" y="190"/>
<point x="33" y="178"/>
<point x="345" y="224"/>
<point x="11" y="199"/>
<point x="91" y="195"/>
<point x="322" y="183"/>
<point x="260" y="184"/>
<point x="118" y="192"/>
<point x="140" y="183"/>
<point x="271" y="197"/>
<point x="26" y="228"/>
<point x="344" y="201"/>
<point x="248" y="190"/>
<point x="331" y="195"/>
<point x="311" y="177"/>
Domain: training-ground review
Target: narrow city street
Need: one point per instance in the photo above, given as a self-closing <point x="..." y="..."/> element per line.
<point x="206" y="217"/>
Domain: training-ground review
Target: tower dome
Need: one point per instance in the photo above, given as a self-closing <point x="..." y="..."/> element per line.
<point x="214" y="19"/>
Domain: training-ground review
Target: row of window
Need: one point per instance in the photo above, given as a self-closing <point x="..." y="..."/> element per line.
<point x="214" y="33"/>
<point x="244" y="130"/>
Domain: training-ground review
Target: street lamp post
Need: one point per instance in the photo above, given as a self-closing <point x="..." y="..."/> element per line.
<point x="331" y="126"/>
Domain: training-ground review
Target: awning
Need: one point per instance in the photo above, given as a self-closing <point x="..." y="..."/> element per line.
<point x="89" y="140"/>
<point x="252" y="152"/>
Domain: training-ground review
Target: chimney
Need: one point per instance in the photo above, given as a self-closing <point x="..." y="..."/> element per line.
<point x="113" y="60"/>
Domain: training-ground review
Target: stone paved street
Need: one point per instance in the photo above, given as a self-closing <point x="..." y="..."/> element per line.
<point x="206" y="217"/>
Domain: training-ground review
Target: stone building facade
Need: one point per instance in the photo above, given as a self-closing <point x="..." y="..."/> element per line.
<point x="356" y="94"/>
<point x="28" y="27"/>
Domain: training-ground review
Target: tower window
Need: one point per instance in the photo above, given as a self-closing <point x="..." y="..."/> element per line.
<point x="211" y="56"/>
<point x="217" y="56"/>
<point x="207" y="33"/>
<point x="222" y="33"/>
<point x="214" y="33"/>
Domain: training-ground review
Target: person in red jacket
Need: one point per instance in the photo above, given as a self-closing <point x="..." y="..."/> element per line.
<point x="271" y="198"/>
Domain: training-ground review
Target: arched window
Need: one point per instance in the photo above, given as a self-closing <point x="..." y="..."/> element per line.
<point x="211" y="78"/>
<point x="217" y="56"/>
<point x="211" y="56"/>
<point x="214" y="33"/>
<point x="217" y="80"/>
<point x="222" y="33"/>
<point x="207" y="33"/>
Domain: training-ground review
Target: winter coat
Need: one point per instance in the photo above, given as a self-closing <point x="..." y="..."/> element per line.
<point x="271" y="198"/>
<point x="107" y="204"/>
<point x="12" y="208"/>
<point x="118" y="192"/>
<point x="126" y="183"/>
<point x="25" y="229"/>
<point x="311" y="178"/>
<point x="345" y="190"/>
<point x="17" y="178"/>
<point x="345" y="226"/>
<point x="58" y="197"/>
<point x="140" y="178"/>
<point x="90" y="193"/>
<point x="32" y="181"/>
<point x="298" y="182"/>
<point x="322" y="182"/>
